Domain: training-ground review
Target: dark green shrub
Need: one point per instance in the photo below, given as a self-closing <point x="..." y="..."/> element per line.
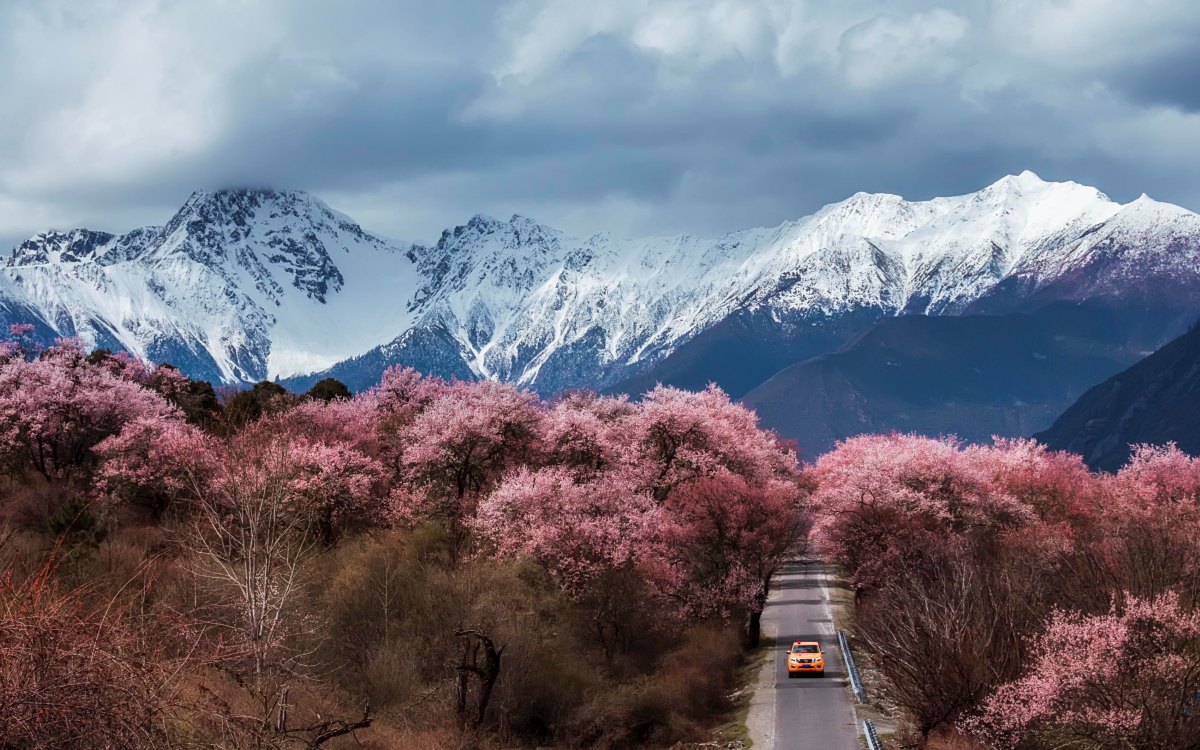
<point x="328" y="389"/>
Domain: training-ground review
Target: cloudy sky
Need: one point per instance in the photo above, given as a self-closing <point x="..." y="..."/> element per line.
<point x="635" y="116"/>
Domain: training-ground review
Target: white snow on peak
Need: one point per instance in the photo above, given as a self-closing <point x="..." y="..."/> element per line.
<point x="254" y="279"/>
<point x="272" y="284"/>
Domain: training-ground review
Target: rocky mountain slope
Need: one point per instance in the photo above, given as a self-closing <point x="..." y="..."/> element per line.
<point x="1155" y="401"/>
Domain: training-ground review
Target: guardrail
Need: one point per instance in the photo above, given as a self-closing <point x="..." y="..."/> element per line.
<point x="873" y="742"/>
<point x="848" y="658"/>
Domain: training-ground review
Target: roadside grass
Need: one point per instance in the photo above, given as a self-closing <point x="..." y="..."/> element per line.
<point x="733" y="733"/>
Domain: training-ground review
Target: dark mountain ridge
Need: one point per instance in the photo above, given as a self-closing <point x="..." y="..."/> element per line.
<point x="973" y="376"/>
<point x="1155" y="401"/>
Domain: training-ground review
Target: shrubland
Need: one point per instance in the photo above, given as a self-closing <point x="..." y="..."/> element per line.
<point x="1013" y="599"/>
<point x="427" y="564"/>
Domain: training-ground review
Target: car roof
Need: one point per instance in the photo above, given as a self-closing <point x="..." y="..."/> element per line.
<point x="806" y="643"/>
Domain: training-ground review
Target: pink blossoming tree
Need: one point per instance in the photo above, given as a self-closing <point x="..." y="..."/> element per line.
<point x="457" y="449"/>
<point x="1128" y="678"/>
<point x="55" y="409"/>
<point x="155" y="461"/>
<point x="718" y="541"/>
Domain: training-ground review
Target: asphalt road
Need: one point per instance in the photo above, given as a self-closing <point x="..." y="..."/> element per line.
<point x="811" y="713"/>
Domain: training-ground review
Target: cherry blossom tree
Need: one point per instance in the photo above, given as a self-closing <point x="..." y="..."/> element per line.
<point x="155" y="461"/>
<point x="1148" y="526"/>
<point x="355" y="422"/>
<point x="578" y="530"/>
<point x="719" y="540"/>
<point x="960" y="554"/>
<point x="885" y="501"/>
<point x="402" y="394"/>
<point x="1055" y="485"/>
<point x="163" y="379"/>
<point x="54" y="410"/>
<point x="591" y="536"/>
<point x="1156" y="477"/>
<point x="588" y="433"/>
<point x="1127" y="678"/>
<point x="724" y="495"/>
<point x="19" y="343"/>
<point x="336" y="486"/>
<point x="457" y="449"/>
<point x="683" y="435"/>
<point x="329" y="482"/>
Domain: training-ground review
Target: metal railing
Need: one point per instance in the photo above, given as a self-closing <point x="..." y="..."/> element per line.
<point x="848" y="658"/>
<point x="873" y="742"/>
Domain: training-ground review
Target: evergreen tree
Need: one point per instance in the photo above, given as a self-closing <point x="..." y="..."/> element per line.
<point x="250" y="405"/>
<point x="328" y="389"/>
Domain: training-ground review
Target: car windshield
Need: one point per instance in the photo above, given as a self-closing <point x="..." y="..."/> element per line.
<point x="805" y="650"/>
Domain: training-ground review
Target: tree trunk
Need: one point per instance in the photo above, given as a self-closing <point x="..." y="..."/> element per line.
<point x="754" y="629"/>
<point x="462" y="684"/>
<point x="487" y="673"/>
<point x="281" y="722"/>
<point x="753" y="635"/>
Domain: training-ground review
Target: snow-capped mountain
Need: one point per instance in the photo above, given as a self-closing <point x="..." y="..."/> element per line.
<point x="245" y="285"/>
<point x="237" y="286"/>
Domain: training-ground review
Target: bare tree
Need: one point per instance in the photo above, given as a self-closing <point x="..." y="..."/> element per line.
<point x="248" y="542"/>
<point x="946" y="636"/>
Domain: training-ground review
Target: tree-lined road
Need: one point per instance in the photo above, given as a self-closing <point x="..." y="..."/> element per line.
<point x="811" y="713"/>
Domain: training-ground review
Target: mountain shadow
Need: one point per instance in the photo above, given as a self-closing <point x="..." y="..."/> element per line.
<point x="1155" y="401"/>
<point x="973" y="376"/>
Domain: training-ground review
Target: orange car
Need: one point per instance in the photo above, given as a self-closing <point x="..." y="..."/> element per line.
<point x="806" y="658"/>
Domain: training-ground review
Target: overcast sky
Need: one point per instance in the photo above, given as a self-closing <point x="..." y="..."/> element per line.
<point x="634" y="116"/>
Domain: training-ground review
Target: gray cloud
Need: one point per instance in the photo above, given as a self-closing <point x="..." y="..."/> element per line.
<point x="1172" y="80"/>
<point x="637" y="116"/>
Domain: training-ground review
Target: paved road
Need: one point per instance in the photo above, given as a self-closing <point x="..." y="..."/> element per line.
<point x="811" y="713"/>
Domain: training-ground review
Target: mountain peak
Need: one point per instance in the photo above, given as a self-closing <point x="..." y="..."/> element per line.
<point x="234" y="201"/>
<point x="1018" y="184"/>
<point x="275" y="238"/>
<point x="1148" y="206"/>
<point x="484" y="222"/>
<point x="1028" y="206"/>
<point x="517" y="230"/>
<point x="240" y="212"/>
<point x="1029" y="182"/>
<point x="73" y="246"/>
<point x="262" y="192"/>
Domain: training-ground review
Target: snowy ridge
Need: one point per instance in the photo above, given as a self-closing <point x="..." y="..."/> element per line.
<point x="239" y="285"/>
<point x="244" y="285"/>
